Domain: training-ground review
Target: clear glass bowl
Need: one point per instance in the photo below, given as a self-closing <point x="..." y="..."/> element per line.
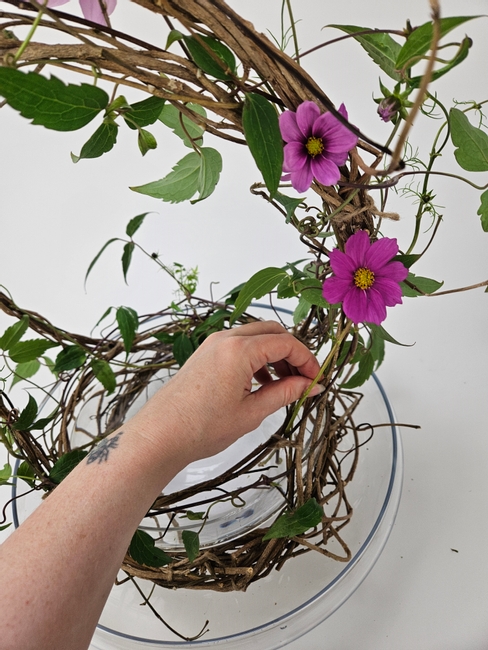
<point x="288" y="603"/>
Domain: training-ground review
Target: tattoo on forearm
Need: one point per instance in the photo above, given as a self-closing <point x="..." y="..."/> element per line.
<point x="101" y="452"/>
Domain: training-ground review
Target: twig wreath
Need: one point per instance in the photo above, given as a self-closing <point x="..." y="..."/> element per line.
<point x="216" y="74"/>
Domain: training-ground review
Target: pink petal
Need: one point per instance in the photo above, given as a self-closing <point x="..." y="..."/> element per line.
<point x="337" y="158"/>
<point x="393" y="270"/>
<point x="325" y="171"/>
<point x="355" y="305"/>
<point x="92" y="10"/>
<point x="56" y="3"/>
<point x="380" y="253"/>
<point x="342" y="265"/>
<point x="295" y="156"/>
<point x="390" y="290"/>
<point x="289" y="128"/>
<point x="336" y="136"/>
<point x="357" y="247"/>
<point x="376" y="309"/>
<point x="335" y="289"/>
<point x="307" y="113"/>
<point x="301" y="179"/>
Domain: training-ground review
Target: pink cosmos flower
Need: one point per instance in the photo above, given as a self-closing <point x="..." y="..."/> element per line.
<point x="316" y="145"/>
<point x="91" y="9"/>
<point x="365" y="279"/>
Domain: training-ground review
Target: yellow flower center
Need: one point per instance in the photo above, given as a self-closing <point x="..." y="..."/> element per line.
<point x="364" y="278"/>
<point x="314" y="146"/>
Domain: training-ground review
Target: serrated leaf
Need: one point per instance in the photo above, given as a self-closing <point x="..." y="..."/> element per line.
<point x="419" y="41"/>
<point x="471" y="142"/>
<point x="127" y="258"/>
<point x="102" y="141"/>
<point x="128" y="322"/>
<point x="183" y="126"/>
<point x="145" y="112"/>
<point x="146" y="141"/>
<point x="24" y="351"/>
<point x="315" y="297"/>
<point x="5" y="473"/>
<point x="70" y="358"/>
<point x="26" y="473"/>
<point x="416" y="285"/>
<point x="211" y="56"/>
<point x="25" y="370"/>
<point x="98" y="255"/>
<point x="263" y="136"/>
<point x="193" y="173"/>
<point x="66" y="464"/>
<point x="50" y="102"/>
<point x="134" y="224"/>
<point x="382" y="48"/>
<point x="27" y="415"/>
<point x="182" y="348"/>
<point x="483" y="211"/>
<point x="142" y="549"/>
<point x="104" y="373"/>
<point x="257" y="286"/>
<point x="295" y="523"/>
<point x="192" y="544"/>
<point x="14" y="333"/>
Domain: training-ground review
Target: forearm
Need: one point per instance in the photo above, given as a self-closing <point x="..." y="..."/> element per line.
<point x="59" y="567"/>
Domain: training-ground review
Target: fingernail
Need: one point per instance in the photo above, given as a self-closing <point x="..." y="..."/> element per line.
<point x="316" y="390"/>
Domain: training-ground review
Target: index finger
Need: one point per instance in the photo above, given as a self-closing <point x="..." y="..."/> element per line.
<point x="273" y="348"/>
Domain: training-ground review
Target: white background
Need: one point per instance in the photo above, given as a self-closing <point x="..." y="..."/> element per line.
<point x="55" y="216"/>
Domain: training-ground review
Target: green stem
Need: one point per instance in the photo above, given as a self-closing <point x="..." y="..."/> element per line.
<point x="293" y="31"/>
<point x="29" y="36"/>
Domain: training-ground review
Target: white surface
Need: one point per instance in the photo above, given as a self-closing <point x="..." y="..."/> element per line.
<point x="55" y="216"/>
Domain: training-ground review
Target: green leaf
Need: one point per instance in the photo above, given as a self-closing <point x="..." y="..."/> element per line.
<point x="407" y="260"/>
<point x="382" y="48"/>
<point x="196" y="172"/>
<point x="66" y="464"/>
<point x="315" y="297"/>
<point x="70" y="358"/>
<point x="127" y="258"/>
<point x="145" y="112"/>
<point x="379" y="331"/>
<point x="135" y="223"/>
<point x="104" y="373"/>
<point x="211" y="56"/>
<point x="471" y="142"/>
<point x="128" y="322"/>
<point x="292" y="524"/>
<point x="14" y="333"/>
<point x="182" y="348"/>
<point x="419" y="41"/>
<point x="483" y="211"/>
<point x="24" y="351"/>
<point x="5" y="473"/>
<point x="25" y="370"/>
<point x="102" y="141"/>
<point x="98" y="255"/>
<point x="290" y="204"/>
<point x="192" y="544"/>
<point x="365" y="370"/>
<point x="301" y="310"/>
<point x="195" y="516"/>
<point x="142" y="549"/>
<point x="50" y="102"/>
<point x="257" y="286"/>
<point x="146" y="141"/>
<point x="263" y="136"/>
<point x="173" y="36"/>
<point x="27" y="415"/>
<point x="26" y="473"/>
<point x="183" y="126"/>
<point x="416" y="285"/>
<point x="459" y="57"/>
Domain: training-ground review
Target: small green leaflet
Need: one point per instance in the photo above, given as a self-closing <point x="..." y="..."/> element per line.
<point x="192" y="544"/>
<point x="416" y="285"/>
<point x="27" y="415"/>
<point x="196" y="172"/>
<point x="289" y="203"/>
<point x="182" y="125"/>
<point x="418" y="43"/>
<point x="483" y="211"/>
<point x="98" y="255"/>
<point x="379" y="331"/>
<point x="295" y="523"/>
<point x="70" y="358"/>
<point x="26" y="473"/>
<point x="128" y="322"/>
<point x="102" y="141"/>
<point x="471" y="142"/>
<point x="142" y="549"/>
<point x="211" y="56"/>
<point x="257" y="286"/>
<point x="50" y="102"/>
<point x="382" y="48"/>
<point x="182" y="348"/>
<point x="134" y="224"/>
<point x="458" y="58"/>
<point x="14" y="333"/>
<point x="66" y="464"/>
<point x="24" y="351"/>
<point x="25" y="370"/>
<point x="263" y="136"/>
<point x="146" y="141"/>
<point x="5" y="473"/>
<point x="127" y="258"/>
<point x="104" y="373"/>
<point x="145" y="112"/>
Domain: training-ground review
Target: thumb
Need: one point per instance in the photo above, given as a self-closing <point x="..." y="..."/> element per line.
<point x="281" y="392"/>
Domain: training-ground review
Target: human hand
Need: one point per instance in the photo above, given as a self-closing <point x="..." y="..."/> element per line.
<point x="211" y="398"/>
